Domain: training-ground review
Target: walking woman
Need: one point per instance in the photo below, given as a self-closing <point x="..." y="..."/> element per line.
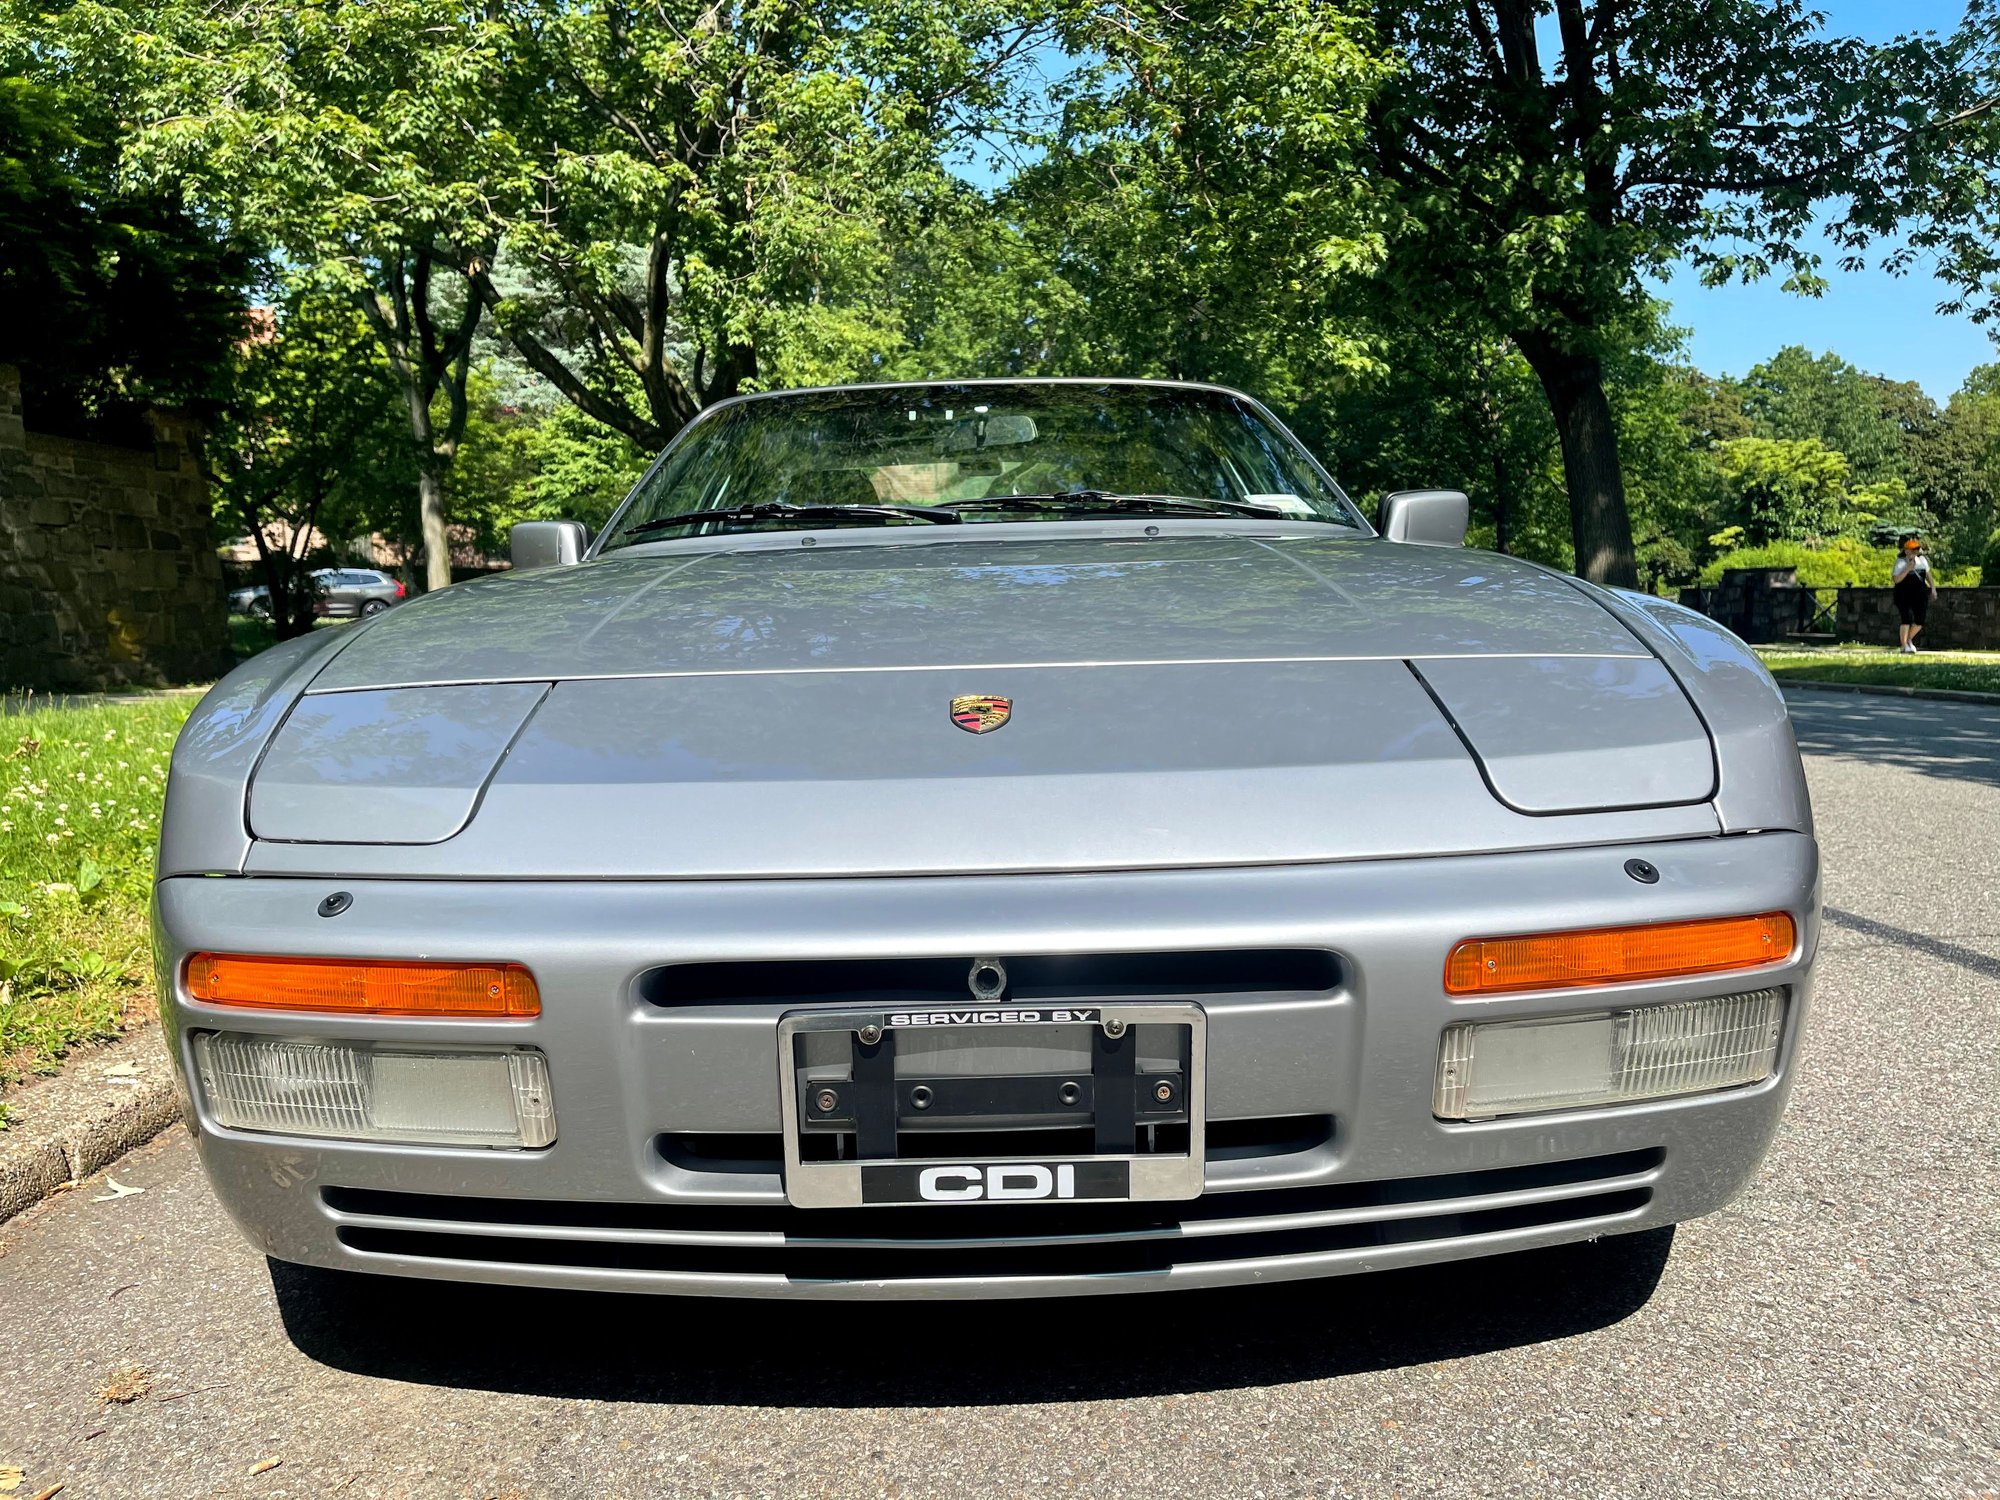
<point x="1914" y="592"/>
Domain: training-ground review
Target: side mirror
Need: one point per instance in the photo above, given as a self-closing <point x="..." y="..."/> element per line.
<point x="1431" y="518"/>
<point x="547" y="544"/>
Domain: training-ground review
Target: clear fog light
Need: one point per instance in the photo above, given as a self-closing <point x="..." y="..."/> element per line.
<point x="1489" y="1068"/>
<point x="361" y="1093"/>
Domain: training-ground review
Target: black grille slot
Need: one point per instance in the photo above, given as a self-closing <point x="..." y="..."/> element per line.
<point x="1275" y="1135"/>
<point x="709" y="1151"/>
<point x="946" y="1240"/>
<point x="891" y="983"/>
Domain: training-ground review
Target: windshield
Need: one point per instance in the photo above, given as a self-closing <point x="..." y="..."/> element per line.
<point x="886" y="452"/>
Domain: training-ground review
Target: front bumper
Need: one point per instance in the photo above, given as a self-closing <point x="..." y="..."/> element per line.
<point x="1323" y="1154"/>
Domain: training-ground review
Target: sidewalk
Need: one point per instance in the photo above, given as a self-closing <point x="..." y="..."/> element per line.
<point x="1886" y="690"/>
<point x="105" y="1101"/>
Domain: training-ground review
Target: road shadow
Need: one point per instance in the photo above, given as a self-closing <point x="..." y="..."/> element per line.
<point x="1956" y="741"/>
<point x="712" y="1352"/>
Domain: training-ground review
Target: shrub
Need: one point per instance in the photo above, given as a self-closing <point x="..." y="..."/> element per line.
<point x="1989" y="562"/>
<point x="1842" y="562"/>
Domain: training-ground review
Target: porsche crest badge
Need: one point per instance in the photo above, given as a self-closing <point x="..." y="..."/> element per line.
<point x="981" y="712"/>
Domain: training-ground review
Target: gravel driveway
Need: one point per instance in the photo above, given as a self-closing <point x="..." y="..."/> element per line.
<point x="1832" y="1334"/>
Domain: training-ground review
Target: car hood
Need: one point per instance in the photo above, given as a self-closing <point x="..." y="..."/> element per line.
<point x="769" y="604"/>
<point x="771" y="709"/>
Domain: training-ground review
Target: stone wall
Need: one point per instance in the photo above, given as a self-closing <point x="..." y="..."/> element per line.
<point x="1965" y="619"/>
<point x="1758" y="604"/>
<point x="108" y="571"/>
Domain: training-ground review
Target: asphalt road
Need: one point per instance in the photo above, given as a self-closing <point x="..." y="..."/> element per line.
<point x="1832" y="1334"/>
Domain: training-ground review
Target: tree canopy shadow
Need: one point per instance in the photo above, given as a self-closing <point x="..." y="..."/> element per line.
<point x="1955" y="741"/>
<point x="717" y="1352"/>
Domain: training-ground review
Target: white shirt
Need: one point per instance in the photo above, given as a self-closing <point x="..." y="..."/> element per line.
<point x="1918" y="564"/>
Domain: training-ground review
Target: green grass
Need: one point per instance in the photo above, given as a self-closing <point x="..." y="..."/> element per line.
<point x="248" y="635"/>
<point x="80" y="795"/>
<point x="1956" y="671"/>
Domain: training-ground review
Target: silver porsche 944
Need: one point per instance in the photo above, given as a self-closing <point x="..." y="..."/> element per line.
<point x="985" y="839"/>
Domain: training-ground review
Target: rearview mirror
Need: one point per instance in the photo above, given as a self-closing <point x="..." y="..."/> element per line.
<point x="547" y="544"/>
<point x="1431" y="518"/>
<point x="999" y="430"/>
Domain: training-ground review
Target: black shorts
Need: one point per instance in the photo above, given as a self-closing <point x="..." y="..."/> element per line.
<point x="1913" y="602"/>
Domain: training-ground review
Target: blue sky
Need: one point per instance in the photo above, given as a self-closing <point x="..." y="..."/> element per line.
<point x="1882" y="323"/>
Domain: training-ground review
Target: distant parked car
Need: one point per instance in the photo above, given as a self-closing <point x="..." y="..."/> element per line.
<point x="345" y="592"/>
<point x="255" y="602"/>
<point x="341" y="593"/>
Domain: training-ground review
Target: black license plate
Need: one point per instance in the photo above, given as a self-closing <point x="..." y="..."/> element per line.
<point x="994" y="1182"/>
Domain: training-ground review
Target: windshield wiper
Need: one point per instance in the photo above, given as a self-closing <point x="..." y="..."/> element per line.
<point x="778" y="511"/>
<point x="1112" y="502"/>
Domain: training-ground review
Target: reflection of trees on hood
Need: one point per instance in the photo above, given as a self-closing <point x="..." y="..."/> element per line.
<point x="855" y="601"/>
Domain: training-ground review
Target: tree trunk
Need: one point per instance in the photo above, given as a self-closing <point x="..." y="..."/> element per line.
<point x="1599" y="524"/>
<point x="430" y="514"/>
<point x="431" y="465"/>
<point x="426" y="360"/>
<point x="277" y="588"/>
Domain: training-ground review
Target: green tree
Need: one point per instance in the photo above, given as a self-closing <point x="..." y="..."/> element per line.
<point x="711" y="192"/>
<point x="1914" y="465"/>
<point x="536" y="463"/>
<point x="1783" y="489"/>
<point x="1664" y="409"/>
<point x="978" y="292"/>
<point x="1451" y="411"/>
<point x="1955" y="468"/>
<point x="577" y="468"/>
<point x="1533" y="174"/>
<point x="305" y="389"/>
<point x="1795" y="395"/>
<point x="1455" y="413"/>
<point x="361" y="141"/>
<point x="1183" y="195"/>
<point x="113" y="296"/>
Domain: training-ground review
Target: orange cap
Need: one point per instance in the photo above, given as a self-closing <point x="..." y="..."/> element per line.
<point x="1910" y="544"/>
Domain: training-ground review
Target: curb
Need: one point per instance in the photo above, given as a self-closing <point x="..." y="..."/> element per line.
<point x="92" y="1113"/>
<point x="1886" y="690"/>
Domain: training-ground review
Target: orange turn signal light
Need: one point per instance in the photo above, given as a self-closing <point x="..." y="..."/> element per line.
<point x="1616" y="955"/>
<point x="364" y="986"/>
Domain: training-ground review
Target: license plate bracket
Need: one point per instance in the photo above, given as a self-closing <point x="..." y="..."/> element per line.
<point x="1007" y="1104"/>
